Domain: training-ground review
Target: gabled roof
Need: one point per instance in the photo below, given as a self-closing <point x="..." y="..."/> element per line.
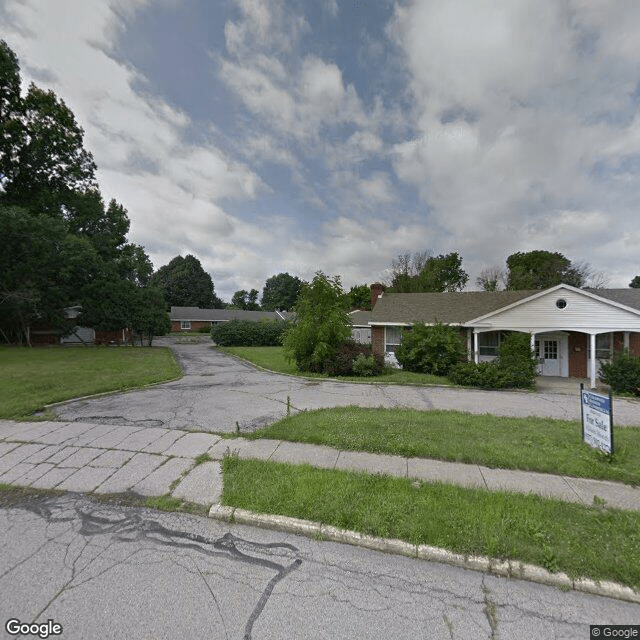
<point x="360" y="318"/>
<point x="221" y="315"/>
<point x="450" y="308"/>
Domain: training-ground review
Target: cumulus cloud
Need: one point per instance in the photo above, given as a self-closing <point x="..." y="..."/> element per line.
<point x="514" y="118"/>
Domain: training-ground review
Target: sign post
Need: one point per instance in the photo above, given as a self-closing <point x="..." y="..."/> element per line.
<point x="597" y="420"/>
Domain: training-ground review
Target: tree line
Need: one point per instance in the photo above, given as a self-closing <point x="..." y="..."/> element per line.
<point x="62" y="245"/>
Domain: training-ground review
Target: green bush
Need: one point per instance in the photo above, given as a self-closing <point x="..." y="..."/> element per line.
<point x="514" y="368"/>
<point x="431" y="349"/>
<point x="622" y="373"/>
<point x="321" y="324"/>
<point x="203" y="330"/>
<point x="343" y="361"/>
<point x="248" y="333"/>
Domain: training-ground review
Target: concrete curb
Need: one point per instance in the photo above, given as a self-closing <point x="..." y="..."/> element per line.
<point x="492" y="566"/>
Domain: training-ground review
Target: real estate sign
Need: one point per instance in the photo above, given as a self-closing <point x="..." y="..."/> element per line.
<point x="597" y="422"/>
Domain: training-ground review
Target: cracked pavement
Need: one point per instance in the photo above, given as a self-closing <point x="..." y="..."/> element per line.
<point x="219" y="393"/>
<point x="108" y="571"/>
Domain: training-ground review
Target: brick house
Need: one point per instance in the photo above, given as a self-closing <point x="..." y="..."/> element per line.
<point x="571" y="329"/>
<point x="194" y="318"/>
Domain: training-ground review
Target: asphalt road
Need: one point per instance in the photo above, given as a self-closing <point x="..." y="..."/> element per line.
<point x="219" y="393"/>
<point x="104" y="571"/>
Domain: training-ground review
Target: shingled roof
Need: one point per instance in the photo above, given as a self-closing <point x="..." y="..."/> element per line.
<point x="460" y="307"/>
<point x="221" y="315"/>
<point x="450" y="308"/>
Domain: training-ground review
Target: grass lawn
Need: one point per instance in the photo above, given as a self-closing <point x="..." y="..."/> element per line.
<point x="32" y="378"/>
<point x="532" y="444"/>
<point x="272" y="358"/>
<point x="600" y="543"/>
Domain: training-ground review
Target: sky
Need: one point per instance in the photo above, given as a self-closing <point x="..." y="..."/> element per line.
<point x="269" y="136"/>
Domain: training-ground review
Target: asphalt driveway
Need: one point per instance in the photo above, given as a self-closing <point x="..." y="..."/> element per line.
<point x="220" y="393"/>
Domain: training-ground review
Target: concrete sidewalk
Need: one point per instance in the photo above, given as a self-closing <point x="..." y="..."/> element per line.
<point x="86" y="457"/>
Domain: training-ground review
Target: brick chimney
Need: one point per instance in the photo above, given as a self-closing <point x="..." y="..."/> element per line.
<point x="376" y="292"/>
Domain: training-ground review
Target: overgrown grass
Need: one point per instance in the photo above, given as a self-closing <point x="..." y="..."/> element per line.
<point x="600" y="543"/>
<point x="531" y="444"/>
<point x="32" y="378"/>
<point x="273" y="359"/>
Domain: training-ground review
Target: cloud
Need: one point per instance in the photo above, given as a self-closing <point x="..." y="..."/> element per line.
<point x="517" y="108"/>
<point x="171" y="188"/>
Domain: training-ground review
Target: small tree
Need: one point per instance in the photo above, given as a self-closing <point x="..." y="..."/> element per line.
<point x="321" y="324"/>
<point x="149" y="316"/>
<point x="431" y="349"/>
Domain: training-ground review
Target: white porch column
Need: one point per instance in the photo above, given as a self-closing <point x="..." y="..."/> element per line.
<point x="592" y="360"/>
<point x="469" y="344"/>
<point x="476" y="348"/>
<point x="533" y="342"/>
<point x="625" y="340"/>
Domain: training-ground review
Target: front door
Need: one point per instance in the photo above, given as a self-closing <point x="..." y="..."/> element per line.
<point x="552" y="351"/>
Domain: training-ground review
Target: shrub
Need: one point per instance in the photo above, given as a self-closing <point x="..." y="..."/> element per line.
<point x="518" y="360"/>
<point x="367" y="365"/>
<point x="248" y="333"/>
<point x="622" y="373"/>
<point x="431" y="349"/>
<point x="342" y="363"/>
<point x="515" y="367"/>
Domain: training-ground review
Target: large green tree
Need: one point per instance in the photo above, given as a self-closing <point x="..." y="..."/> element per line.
<point x="360" y="297"/>
<point x="428" y="274"/>
<point x="540" y="270"/>
<point x="185" y="283"/>
<point x="321" y="324"/>
<point x="635" y="283"/>
<point x="61" y="246"/>
<point x="281" y="292"/>
<point x="42" y="157"/>
<point x="246" y="300"/>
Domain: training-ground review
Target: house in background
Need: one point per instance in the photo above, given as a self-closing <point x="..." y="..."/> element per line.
<point x="360" y="328"/>
<point x="194" y="318"/>
<point x="571" y="329"/>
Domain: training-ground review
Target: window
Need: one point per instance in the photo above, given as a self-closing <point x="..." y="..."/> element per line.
<point x="185" y="324"/>
<point x="392" y="337"/>
<point x="604" y="346"/>
<point x="561" y="303"/>
<point x="489" y="343"/>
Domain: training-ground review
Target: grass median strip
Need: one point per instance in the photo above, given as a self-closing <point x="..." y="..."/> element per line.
<point x="596" y="542"/>
<point x="530" y="444"/>
<point x="273" y="359"/>
<point x="32" y="378"/>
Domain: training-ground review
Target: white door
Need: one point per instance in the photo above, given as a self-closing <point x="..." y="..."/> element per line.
<point x="553" y="353"/>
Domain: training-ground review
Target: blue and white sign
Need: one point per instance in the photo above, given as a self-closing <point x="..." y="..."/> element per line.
<point x="596" y="421"/>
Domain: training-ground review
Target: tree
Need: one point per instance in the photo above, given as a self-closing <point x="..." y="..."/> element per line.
<point x="443" y="273"/>
<point x="405" y="269"/>
<point x="185" y="283"/>
<point x="491" y="278"/>
<point x="360" y="297"/>
<point x="321" y="325"/>
<point x="150" y="318"/>
<point x="61" y="246"/>
<point x="245" y="300"/>
<point x="436" y="274"/>
<point x="43" y="161"/>
<point x="541" y="270"/>
<point x="281" y="292"/>
<point x="635" y="283"/>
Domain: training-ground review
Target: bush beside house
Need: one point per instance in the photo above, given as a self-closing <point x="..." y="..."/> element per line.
<point x="514" y="368"/>
<point x="622" y="373"/>
<point x="431" y="349"/>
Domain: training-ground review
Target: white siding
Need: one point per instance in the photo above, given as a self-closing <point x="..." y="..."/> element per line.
<point x="581" y="313"/>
